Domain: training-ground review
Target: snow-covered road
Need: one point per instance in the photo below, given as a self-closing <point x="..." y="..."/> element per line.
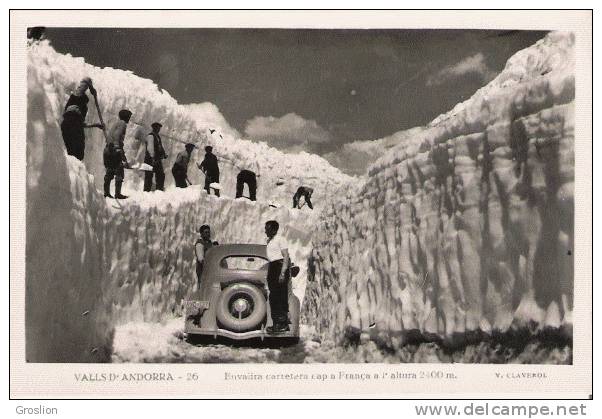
<point x="165" y="343"/>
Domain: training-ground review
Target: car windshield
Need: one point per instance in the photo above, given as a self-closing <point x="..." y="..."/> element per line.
<point x="248" y="263"/>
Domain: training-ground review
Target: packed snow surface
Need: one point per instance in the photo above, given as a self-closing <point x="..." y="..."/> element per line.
<point x="164" y="342"/>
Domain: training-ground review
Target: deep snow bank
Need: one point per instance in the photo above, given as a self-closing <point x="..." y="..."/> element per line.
<point x="59" y="74"/>
<point x="468" y="225"/>
<point x="93" y="263"/>
<point x="68" y="317"/>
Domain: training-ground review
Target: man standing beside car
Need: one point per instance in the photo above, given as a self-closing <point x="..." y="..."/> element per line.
<point x="201" y="246"/>
<point x="278" y="277"/>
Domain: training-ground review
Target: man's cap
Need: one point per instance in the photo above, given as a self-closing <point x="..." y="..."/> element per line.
<point x="156" y="125"/>
<point x="190" y="145"/>
<point x="87" y="80"/>
<point x="125" y="113"/>
<point x="208" y="148"/>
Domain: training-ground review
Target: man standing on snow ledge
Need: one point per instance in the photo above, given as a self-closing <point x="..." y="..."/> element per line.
<point x="154" y="156"/>
<point x="211" y="170"/>
<point x="247" y="176"/>
<point x="114" y="156"/>
<point x="306" y="192"/>
<point x="74" y="119"/>
<point x="180" y="166"/>
<point x="278" y="277"/>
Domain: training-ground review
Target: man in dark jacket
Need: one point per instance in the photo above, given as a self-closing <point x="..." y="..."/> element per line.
<point x="247" y="175"/>
<point x="201" y="246"/>
<point x="210" y="168"/>
<point x="180" y="167"/>
<point x="154" y="157"/>
<point x="305" y="192"/>
<point x="74" y="118"/>
<point x="114" y="156"/>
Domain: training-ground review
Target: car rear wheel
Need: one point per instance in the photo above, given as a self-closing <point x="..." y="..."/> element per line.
<point x="241" y="307"/>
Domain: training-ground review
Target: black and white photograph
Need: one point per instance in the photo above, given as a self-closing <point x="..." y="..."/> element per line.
<point x="299" y="195"/>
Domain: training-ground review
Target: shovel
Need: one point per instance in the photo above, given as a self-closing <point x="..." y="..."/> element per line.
<point x="104" y="127"/>
<point x="145" y="167"/>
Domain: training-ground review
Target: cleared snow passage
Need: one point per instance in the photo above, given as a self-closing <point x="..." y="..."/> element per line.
<point x="465" y="228"/>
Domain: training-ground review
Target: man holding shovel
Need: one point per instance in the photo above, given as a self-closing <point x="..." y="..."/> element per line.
<point x="155" y="153"/>
<point x="74" y="119"/>
<point x="114" y="156"/>
<point x="247" y="175"/>
<point x="180" y="167"/>
<point x="306" y="192"/>
<point x="210" y="168"/>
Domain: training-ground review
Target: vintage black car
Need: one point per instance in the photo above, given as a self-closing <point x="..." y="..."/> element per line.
<point x="232" y="301"/>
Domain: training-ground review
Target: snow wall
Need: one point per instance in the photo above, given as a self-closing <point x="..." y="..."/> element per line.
<point x="93" y="263"/>
<point x="465" y="226"/>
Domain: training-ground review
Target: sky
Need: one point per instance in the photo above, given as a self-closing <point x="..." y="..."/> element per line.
<point x="307" y="90"/>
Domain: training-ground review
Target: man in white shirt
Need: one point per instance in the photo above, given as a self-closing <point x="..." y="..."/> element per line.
<point x="278" y="277"/>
